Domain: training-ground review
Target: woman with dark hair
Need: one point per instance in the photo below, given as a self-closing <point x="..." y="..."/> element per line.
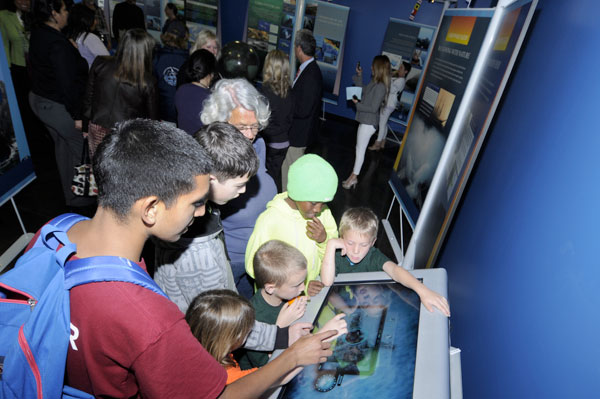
<point x="276" y="88"/>
<point x="121" y="87"/>
<point x="199" y="69"/>
<point x="82" y="22"/>
<point x="101" y="30"/>
<point x="58" y="77"/>
<point x="171" y="14"/>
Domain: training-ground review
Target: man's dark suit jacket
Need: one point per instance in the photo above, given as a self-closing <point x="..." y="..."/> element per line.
<point x="307" y="102"/>
<point x="127" y="16"/>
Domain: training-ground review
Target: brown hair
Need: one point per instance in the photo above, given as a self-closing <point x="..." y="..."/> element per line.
<point x="382" y="71"/>
<point x="274" y="261"/>
<point x="221" y="320"/>
<point x="276" y="73"/>
<point x="362" y="220"/>
<point x="134" y="58"/>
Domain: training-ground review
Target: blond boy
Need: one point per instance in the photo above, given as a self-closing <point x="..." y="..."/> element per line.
<point x="358" y="232"/>
<point x="279" y="271"/>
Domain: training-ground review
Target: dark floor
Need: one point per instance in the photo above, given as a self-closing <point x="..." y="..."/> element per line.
<point x="41" y="200"/>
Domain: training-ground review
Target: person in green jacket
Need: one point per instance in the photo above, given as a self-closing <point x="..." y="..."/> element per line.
<point x="14" y="27"/>
<point x="14" y="34"/>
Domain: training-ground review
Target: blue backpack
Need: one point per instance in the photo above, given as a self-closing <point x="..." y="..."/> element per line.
<point x="35" y="312"/>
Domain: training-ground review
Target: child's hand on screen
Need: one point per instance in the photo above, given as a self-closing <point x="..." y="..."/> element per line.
<point x="337" y="323"/>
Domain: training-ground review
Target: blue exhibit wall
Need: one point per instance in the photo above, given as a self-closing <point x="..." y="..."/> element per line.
<point x="522" y="255"/>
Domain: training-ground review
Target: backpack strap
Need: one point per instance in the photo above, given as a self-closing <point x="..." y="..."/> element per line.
<point x="67" y="220"/>
<point x="93" y="269"/>
<point x="107" y="268"/>
<point x="54" y="233"/>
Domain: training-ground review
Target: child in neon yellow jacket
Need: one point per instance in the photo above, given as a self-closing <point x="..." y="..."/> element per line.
<point x="300" y="216"/>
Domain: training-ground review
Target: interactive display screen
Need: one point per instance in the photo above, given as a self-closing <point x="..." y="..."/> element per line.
<point x="380" y="346"/>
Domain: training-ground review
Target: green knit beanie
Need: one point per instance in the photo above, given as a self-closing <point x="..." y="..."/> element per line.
<point x="311" y="178"/>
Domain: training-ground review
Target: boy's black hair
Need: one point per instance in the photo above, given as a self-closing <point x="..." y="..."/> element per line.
<point x="142" y="158"/>
<point x="232" y="154"/>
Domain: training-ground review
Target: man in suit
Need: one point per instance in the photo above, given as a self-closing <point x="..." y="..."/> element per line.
<point x="306" y="89"/>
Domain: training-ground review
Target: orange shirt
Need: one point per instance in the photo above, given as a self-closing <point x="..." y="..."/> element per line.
<point x="234" y="373"/>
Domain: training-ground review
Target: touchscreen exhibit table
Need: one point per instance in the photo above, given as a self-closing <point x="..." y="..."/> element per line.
<point x="394" y="348"/>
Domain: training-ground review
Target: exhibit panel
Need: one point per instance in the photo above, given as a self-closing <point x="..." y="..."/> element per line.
<point x="16" y="166"/>
<point x="201" y="15"/>
<point x="394" y="346"/>
<point x="407" y="42"/>
<point x="470" y="64"/>
<point x="446" y="76"/>
<point x="472" y="129"/>
<point x="329" y="30"/>
<point x="270" y="26"/>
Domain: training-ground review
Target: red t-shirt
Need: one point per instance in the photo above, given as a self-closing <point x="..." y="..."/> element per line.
<point x="127" y="341"/>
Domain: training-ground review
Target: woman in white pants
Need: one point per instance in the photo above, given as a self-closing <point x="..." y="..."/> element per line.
<point x="397" y="85"/>
<point x="367" y="110"/>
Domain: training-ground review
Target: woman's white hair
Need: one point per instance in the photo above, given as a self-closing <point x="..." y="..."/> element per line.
<point x="227" y="95"/>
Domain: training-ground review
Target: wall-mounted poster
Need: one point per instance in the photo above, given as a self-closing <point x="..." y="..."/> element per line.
<point x="408" y="42"/>
<point x="472" y="128"/>
<point x="16" y="168"/>
<point x="328" y="23"/>
<point x="445" y="78"/>
<point x="265" y="18"/>
<point x="153" y="12"/>
<point x="286" y="29"/>
<point x="200" y="15"/>
<point x="470" y="64"/>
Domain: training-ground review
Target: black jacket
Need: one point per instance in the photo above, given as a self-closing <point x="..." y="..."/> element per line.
<point x="280" y="122"/>
<point x="307" y="94"/>
<point x="58" y="71"/>
<point x="108" y="101"/>
<point x="127" y="16"/>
